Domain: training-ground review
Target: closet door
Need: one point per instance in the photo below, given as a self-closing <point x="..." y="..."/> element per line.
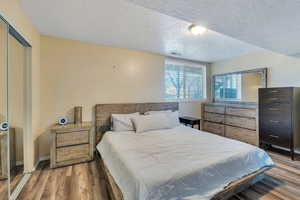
<point x="4" y="131"/>
<point x="16" y="109"/>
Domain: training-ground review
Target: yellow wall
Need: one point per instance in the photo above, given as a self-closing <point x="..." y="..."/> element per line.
<point x="283" y="71"/>
<point x="11" y="10"/>
<point x="76" y="73"/>
<point x="250" y="84"/>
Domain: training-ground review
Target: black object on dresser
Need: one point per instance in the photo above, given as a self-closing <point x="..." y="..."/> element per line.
<point x="279" y="117"/>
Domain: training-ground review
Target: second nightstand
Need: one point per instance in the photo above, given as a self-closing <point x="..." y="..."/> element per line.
<point x="71" y="143"/>
<point x="190" y="121"/>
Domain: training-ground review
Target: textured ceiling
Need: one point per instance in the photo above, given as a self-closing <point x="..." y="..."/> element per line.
<point x="122" y="24"/>
<point x="271" y="24"/>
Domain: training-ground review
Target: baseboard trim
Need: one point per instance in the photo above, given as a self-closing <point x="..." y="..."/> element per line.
<point x="297" y="151"/>
<point x="20" y="186"/>
<point x="19" y="163"/>
<point x="35" y="166"/>
<point x="43" y="158"/>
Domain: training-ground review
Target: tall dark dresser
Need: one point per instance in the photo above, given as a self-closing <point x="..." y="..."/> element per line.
<point x="279" y="117"/>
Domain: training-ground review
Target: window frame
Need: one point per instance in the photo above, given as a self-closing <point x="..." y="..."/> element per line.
<point x="187" y="63"/>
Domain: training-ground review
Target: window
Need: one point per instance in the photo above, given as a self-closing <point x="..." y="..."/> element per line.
<point x="185" y="80"/>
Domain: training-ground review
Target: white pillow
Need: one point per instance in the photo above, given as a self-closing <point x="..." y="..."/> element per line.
<point x="157" y="112"/>
<point x="145" y="123"/>
<point x="122" y="122"/>
<point x="173" y="118"/>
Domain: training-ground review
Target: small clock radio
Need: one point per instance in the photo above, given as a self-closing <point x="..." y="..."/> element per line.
<point x="62" y="121"/>
<point x="4" y="126"/>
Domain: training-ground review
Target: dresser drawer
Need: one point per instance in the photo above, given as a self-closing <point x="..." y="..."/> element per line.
<point x="241" y="134"/>
<point x="276" y="91"/>
<point x="242" y="122"/>
<point x="281" y="121"/>
<point x="72" y="138"/>
<point x="243" y="112"/>
<point x="72" y="153"/>
<point x="276" y="109"/>
<point x="214" y="109"/>
<point x="213" y="117"/>
<point x="213" y="128"/>
<point x="268" y="95"/>
<point x="275" y="137"/>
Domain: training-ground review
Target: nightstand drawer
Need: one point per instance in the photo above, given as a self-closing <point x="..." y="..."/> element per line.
<point x="72" y="138"/>
<point x="72" y="153"/>
<point x="71" y="144"/>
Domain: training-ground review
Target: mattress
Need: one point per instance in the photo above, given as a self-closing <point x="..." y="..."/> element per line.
<point x="177" y="164"/>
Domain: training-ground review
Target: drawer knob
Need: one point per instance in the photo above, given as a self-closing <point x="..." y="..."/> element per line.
<point x="274" y="136"/>
<point x="274" y="109"/>
<point x="273" y="99"/>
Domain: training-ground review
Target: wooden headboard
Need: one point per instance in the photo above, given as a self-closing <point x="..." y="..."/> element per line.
<point x="103" y="113"/>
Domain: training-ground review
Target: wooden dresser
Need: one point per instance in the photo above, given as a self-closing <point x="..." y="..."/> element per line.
<point x="71" y="143"/>
<point x="279" y="113"/>
<point x="231" y="120"/>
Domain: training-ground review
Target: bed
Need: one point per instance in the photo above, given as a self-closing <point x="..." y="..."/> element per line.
<point x="178" y="163"/>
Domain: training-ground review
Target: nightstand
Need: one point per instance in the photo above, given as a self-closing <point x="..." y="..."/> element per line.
<point x="71" y="144"/>
<point x="190" y="121"/>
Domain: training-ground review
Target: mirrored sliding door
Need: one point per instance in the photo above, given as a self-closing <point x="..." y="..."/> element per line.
<point x="16" y="108"/>
<point x="4" y="137"/>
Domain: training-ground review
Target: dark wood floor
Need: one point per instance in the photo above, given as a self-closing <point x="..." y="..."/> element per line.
<point x="82" y="181"/>
<point x="3" y="189"/>
<point x="85" y="182"/>
<point x="16" y="176"/>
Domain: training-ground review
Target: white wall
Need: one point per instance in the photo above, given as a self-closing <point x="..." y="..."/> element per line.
<point x="283" y="71"/>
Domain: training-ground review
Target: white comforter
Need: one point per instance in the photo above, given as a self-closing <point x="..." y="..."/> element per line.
<point x="179" y="163"/>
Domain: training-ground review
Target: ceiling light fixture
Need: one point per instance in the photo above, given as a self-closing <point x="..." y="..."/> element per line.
<point x="197" y="30"/>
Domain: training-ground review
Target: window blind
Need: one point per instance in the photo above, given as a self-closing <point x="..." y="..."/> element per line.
<point x="184" y="81"/>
